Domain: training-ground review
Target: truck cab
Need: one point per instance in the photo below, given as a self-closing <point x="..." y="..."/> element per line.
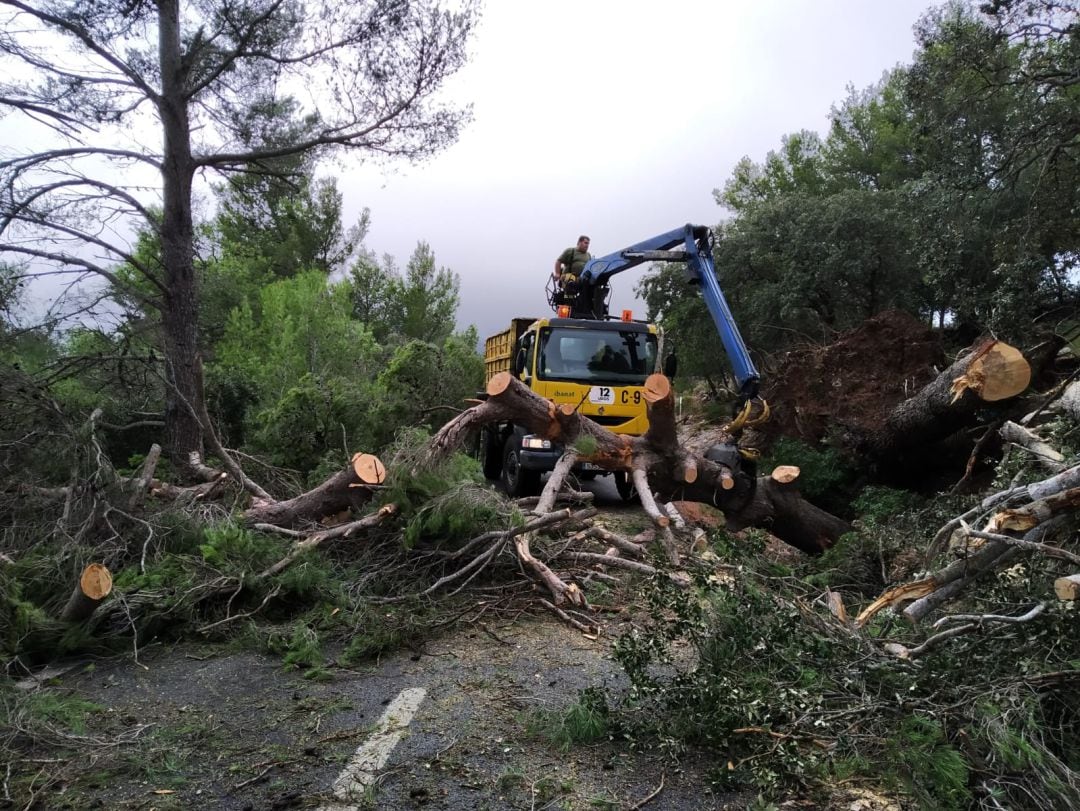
<point x="597" y="366"/>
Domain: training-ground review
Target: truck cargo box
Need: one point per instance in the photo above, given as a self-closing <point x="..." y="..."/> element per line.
<point x="499" y="348"/>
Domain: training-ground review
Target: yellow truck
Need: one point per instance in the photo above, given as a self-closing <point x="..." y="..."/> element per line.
<point x="597" y="366"/>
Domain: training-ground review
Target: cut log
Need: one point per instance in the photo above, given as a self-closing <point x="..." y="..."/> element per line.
<point x="785" y="474"/>
<point x="1068" y="588"/>
<point x="93" y="587"/>
<point x="997" y="371"/>
<point x="345" y="490"/>
<point x="369" y="469"/>
<point x="990" y="372"/>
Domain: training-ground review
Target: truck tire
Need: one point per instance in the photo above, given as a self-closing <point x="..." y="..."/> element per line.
<point x="490" y="453"/>
<point x="518" y="481"/>
<point x="625" y="485"/>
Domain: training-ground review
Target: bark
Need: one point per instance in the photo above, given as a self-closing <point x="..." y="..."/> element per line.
<point x="1070" y="401"/>
<point x="93" y="587"/>
<point x="1010" y="531"/>
<point x="141" y="483"/>
<point x="343" y="531"/>
<point x="777" y="507"/>
<point x="1043" y="453"/>
<point x="345" y="490"/>
<point x="183" y="366"/>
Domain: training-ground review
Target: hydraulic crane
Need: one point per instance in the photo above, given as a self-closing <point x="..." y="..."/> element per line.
<point x="587" y="296"/>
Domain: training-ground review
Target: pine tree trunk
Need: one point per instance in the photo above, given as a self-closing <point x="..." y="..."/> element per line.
<point x="183" y="367"/>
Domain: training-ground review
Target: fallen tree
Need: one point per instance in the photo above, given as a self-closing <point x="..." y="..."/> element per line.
<point x="661" y="468"/>
<point x="1016" y="520"/>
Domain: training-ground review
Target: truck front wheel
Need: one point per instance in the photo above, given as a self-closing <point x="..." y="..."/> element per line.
<point x="518" y="481"/>
<point x="625" y="485"/>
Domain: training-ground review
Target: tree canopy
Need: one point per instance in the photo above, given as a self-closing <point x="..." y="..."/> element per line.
<point x="949" y="189"/>
<point x="249" y="90"/>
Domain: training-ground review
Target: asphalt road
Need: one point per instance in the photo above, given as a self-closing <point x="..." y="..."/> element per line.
<point x="235" y="730"/>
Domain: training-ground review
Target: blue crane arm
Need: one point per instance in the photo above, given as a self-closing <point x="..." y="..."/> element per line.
<point x="696" y="241"/>
<point x="597" y="271"/>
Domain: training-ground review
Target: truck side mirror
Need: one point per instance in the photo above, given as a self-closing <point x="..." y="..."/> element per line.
<point x="518" y="366"/>
<point x="671" y="366"/>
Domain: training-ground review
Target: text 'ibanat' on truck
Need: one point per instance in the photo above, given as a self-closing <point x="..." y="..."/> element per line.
<point x="598" y="364"/>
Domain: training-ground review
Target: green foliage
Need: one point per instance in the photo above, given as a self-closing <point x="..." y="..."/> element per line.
<point x="53" y="707"/>
<point x="240" y="553"/>
<point x="12" y="287"/>
<point x="751" y="672"/>
<point x="299" y="648"/>
<point x="418" y="305"/>
<point x="421" y="379"/>
<point x="877" y="504"/>
<point x="26" y="629"/>
<point x="946" y="190"/>
<point x="585" y="721"/>
<point x="232" y="549"/>
<point x="379" y="629"/>
<point x="824" y="472"/>
<point x="680" y="309"/>
<point x="277" y="228"/>
<point x="933" y="771"/>
<point x="296" y="367"/>
<point x="300" y="365"/>
<point x="444" y="502"/>
<point x="585" y="445"/>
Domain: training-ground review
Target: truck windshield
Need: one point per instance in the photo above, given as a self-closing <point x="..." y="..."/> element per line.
<point x="596" y="356"/>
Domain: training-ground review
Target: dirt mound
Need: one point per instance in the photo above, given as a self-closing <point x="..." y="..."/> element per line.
<point x="847" y="388"/>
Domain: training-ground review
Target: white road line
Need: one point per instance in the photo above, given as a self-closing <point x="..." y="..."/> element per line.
<point x="372" y="755"/>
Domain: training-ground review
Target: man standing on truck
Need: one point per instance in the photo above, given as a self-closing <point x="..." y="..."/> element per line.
<point x="571" y="262"/>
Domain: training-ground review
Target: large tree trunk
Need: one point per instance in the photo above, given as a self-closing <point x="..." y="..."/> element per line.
<point x="927" y="433"/>
<point x="990" y="372"/>
<point x="183" y="366"/>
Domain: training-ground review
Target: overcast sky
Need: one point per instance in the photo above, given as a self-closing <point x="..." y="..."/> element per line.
<point x="615" y="119"/>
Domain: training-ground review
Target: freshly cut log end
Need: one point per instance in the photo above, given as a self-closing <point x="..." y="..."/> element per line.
<point x="498" y="384"/>
<point x="369" y="468"/>
<point x="998" y="372"/>
<point x="94" y="585"/>
<point x="1068" y="588"/>
<point x="96" y="581"/>
<point x="785" y="474"/>
<point x="657" y="387"/>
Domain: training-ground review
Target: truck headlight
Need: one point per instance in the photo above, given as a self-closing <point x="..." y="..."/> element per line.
<point x="536" y="442"/>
